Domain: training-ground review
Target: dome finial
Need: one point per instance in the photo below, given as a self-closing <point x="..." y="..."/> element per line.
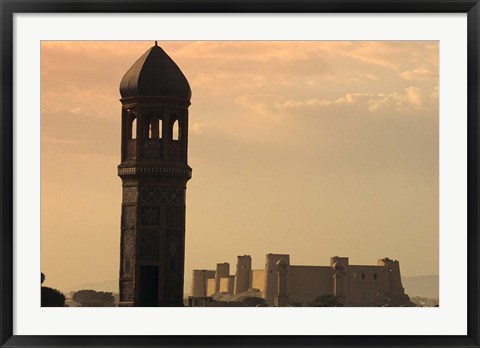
<point x="156" y="43"/>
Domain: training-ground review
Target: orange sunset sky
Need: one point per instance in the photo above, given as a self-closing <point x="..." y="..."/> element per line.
<point x="312" y="149"/>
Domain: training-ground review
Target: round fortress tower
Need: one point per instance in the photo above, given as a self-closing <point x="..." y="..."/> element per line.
<point x="271" y="275"/>
<point x="395" y="280"/>
<point x="200" y="282"/>
<point x="243" y="274"/>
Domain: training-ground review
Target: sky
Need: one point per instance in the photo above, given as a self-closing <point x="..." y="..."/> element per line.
<point x="308" y="148"/>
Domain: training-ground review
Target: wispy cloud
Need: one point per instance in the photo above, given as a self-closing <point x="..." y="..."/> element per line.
<point x="412" y="98"/>
<point x="61" y="141"/>
<point x="418" y="74"/>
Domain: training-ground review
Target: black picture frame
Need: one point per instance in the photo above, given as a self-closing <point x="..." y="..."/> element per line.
<point x="10" y="7"/>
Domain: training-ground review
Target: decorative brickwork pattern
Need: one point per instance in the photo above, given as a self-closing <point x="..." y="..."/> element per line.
<point x="150" y="215"/>
<point x="161" y="194"/>
<point x="129" y="216"/>
<point x="175" y="216"/>
<point x="128" y="254"/>
<point x="126" y="291"/>
<point x="130" y="194"/>
<point x="148" y="247"/>
<point x="174" y="254"/>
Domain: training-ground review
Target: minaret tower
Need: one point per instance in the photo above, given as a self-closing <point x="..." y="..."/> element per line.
<point x="154" y="172"/>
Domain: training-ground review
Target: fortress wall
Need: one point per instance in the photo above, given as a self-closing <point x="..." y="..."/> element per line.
<point x="227" y="284"/>
<point x="223" y="270"/>
<point x="365" y="284"/>
<point x="200" y="282"/>
<point x="305" y="283"/>
<point x="211" y="287"/>
<point x="258" y="279"/>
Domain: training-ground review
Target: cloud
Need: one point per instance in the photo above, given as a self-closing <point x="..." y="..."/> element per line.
<point x="418" y="74"/>
<point x="434" y="93"/>
<point x="76" y="110"/>
<point x="60" y="141"/>
<point x="199" y="128"/>
<point x="81" y="78"/>
<point x="260" y="103"/>
<point x="413" y="98"/>
<point x="93" y="102"/>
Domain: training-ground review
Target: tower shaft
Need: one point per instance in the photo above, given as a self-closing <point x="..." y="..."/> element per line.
<point x="154" y="174"/>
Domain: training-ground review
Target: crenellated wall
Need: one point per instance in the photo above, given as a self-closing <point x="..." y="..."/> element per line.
<point x="366" y="285"/>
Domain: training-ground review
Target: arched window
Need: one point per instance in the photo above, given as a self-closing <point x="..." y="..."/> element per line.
<point x="134" y="129"/>
<point x="150" y="131"/>
<point x="154" y="128"/>
<point x="175" y="131"/>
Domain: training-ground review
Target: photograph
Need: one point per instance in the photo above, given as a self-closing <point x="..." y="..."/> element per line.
<point x="239" y="173"/>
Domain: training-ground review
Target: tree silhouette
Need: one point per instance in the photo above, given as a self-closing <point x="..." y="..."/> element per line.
<point x="92" y="298"/>
<point x="51" y="297"/>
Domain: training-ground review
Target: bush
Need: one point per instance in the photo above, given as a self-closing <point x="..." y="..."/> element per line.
<point x="92" y="298"/>
<point x="325" y="301"/>
<point x="253" y="302"/>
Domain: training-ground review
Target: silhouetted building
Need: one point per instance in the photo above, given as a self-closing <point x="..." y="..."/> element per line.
<point x="154" y="172"/>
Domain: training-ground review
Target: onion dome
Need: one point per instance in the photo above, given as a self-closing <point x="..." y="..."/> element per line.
<point x="155" y="74"/>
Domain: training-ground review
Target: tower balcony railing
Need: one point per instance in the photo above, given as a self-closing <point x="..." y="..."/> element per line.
<point x="154" y="148"/>
<point x="131" y="148"/>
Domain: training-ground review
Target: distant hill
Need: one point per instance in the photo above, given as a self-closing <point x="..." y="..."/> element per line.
<point x="422" y="286"/>
<point x="107" y="286"/>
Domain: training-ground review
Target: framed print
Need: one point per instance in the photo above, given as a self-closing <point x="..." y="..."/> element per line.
<point x="167" y="164"/>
